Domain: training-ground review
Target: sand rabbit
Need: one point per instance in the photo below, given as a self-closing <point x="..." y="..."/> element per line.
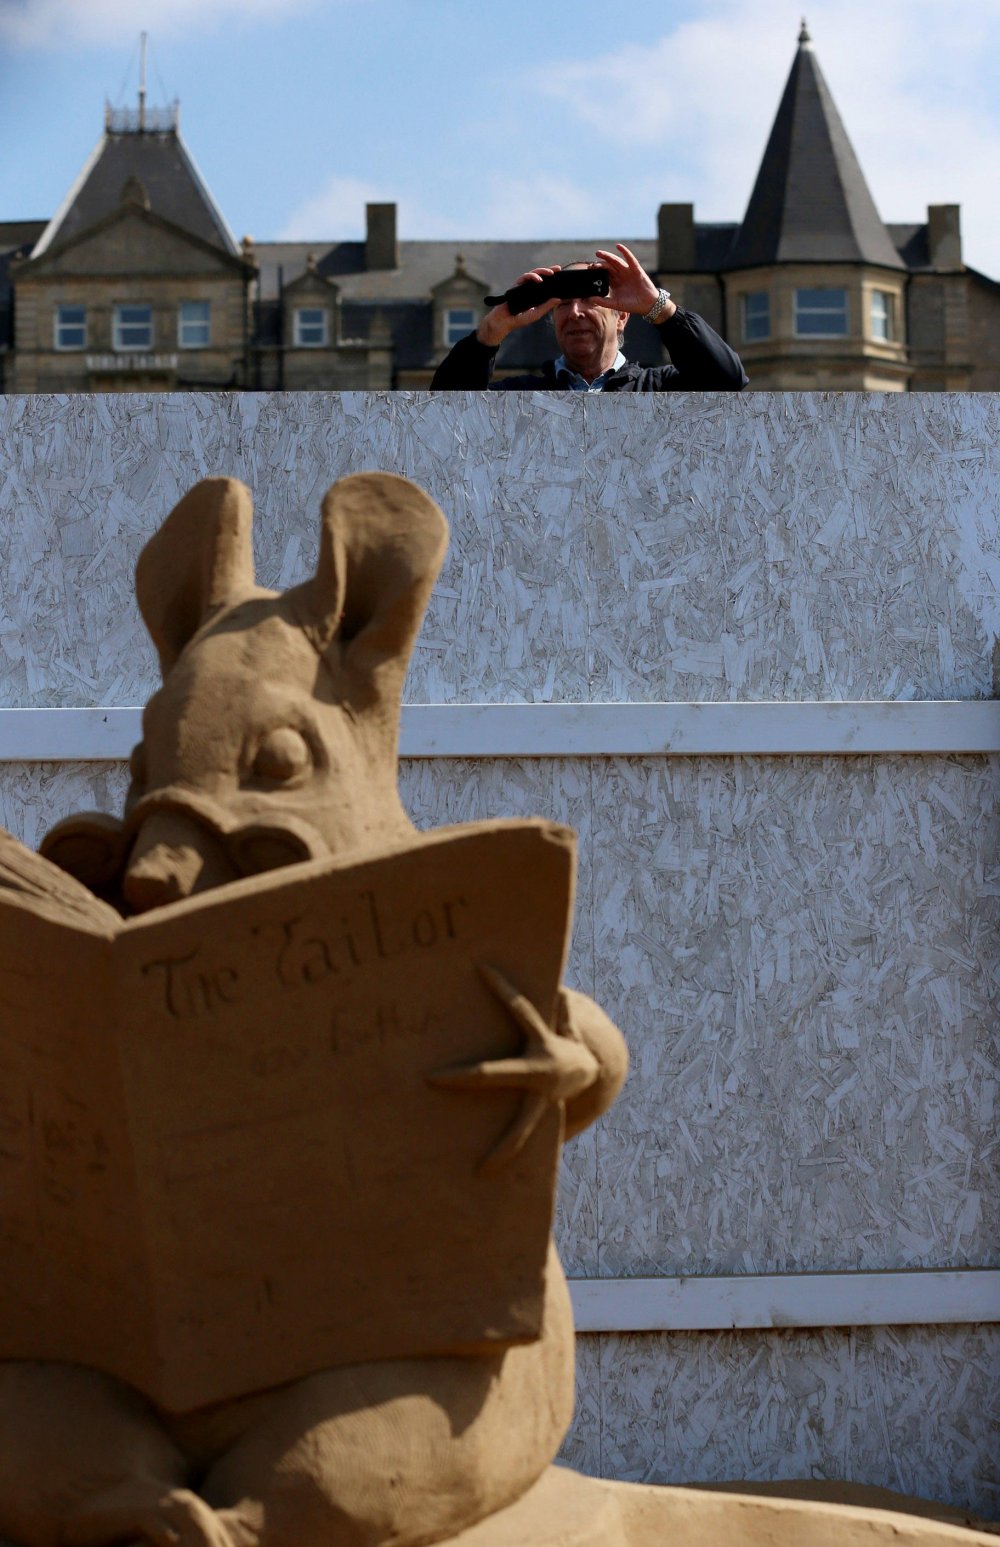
<point x="274" y="739"/>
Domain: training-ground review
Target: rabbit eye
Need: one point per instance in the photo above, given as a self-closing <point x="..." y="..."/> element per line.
<point x="281" y="755"/>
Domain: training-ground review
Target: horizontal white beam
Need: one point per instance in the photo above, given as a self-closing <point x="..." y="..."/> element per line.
<point x="68" y="735"/>
<point x="580" y="730"/>
<point x="697" y="729"/>
<point x="921" y="1297"/>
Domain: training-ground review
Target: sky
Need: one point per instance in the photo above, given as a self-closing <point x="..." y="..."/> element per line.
<point x="504" y="118"/>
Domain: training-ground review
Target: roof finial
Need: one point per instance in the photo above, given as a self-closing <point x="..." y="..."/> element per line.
<point x="142" y="82"/>
<point x="804" y="38"/>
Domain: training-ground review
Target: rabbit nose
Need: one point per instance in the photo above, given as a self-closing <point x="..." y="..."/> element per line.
<point x="172" y="857"/>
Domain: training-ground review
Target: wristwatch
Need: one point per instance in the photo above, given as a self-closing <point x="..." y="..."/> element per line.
<point x="658" y="307"/>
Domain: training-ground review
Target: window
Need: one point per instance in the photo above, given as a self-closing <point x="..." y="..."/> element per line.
<point x="70" y="329"/>
<point x="883" y="315"/>
<point x="193" y="325"/>
<point x="133" y="326"/>
<point x="820" y="313"/>
<point x="756" y="316"/>
<point x="458" y="321"/>
<point x="310" y="327"/>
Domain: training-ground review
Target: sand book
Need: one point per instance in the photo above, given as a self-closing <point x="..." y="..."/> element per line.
<point x="221" y="1164"/>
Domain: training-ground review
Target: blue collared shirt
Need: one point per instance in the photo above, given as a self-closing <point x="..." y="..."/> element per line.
<point x="569" y="378"/>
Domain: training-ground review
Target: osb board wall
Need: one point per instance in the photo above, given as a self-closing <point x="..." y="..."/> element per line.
<point x="802" y="952"/>
<point x="706" y="547"/>
<point x="909" y="1408"/>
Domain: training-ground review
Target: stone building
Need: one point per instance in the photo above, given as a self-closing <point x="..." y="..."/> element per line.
<point x="137" y="283"/>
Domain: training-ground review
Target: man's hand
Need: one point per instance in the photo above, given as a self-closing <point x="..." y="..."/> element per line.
<point x="499" y="322"/>
<point x="632" y="290"/>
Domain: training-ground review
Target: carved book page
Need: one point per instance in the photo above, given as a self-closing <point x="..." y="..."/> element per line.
<point x="221" y="1165"/>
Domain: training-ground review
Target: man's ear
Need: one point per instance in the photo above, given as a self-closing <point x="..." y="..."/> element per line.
<point x="382" y="540"/>
<point x="201" y="557"/>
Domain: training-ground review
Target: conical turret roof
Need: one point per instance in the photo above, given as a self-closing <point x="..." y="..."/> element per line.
<point x="810" y="203"/>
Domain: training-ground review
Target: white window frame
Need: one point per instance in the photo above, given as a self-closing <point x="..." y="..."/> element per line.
<point x="60" y="327"/>
<point x="882" y="313"/>
<point x="187" y="326"/>
<point x="750" y="337"/>
<point x="120" y="327"/>
<point x="320" y="318"/>
<point x="817" y="310"/>
<point x="452" y="329"/>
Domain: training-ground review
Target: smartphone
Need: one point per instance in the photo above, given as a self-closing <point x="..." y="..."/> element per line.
<point x="567" y="284"/>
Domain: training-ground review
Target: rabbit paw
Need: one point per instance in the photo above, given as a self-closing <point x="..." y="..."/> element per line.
<point x="553" y="1066"/>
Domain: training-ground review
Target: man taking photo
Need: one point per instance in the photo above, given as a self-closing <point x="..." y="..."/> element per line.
<point x="589" y="332"/>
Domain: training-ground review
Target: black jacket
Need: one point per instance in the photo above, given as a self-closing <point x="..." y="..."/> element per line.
<point x="703" y="362"/>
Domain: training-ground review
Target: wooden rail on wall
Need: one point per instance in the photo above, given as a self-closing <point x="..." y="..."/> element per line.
<point x="581" y="730"/>
<point x="918" y="1297"/>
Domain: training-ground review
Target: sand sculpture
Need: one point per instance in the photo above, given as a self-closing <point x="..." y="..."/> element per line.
<point x="284" y="1085"/>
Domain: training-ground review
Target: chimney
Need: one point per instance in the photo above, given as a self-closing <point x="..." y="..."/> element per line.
<point x="675" y="239"/>
<point x="381" y="245"/>
<point x="944" y="236"/>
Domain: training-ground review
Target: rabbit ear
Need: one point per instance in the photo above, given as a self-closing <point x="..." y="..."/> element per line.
<point x="382" y="541"/>
<point x="201" y="556"/>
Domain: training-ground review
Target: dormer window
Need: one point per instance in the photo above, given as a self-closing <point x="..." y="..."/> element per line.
<point x="310" y="327"/>
<point x="133" y="326"/>
<point x="70" y="327"/>
<point x="458" y="322"/>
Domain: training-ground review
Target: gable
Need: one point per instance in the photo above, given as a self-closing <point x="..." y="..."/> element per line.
<point x="311" y="286"/>
<point x="157" y="163"/>
<point x="132" y="243"/>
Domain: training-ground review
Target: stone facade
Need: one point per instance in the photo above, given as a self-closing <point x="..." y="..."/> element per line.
<point x="856" y="362"/>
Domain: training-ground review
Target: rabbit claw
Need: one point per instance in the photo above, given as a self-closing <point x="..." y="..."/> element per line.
<point x="552" y="1067"/>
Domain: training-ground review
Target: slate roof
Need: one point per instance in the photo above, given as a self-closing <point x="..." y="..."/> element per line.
<point x="402" y="297"/>
<point x="162" y="164"/>
<point x="912" y="242"/>
<point x="810" y="203"/>
<point x="422" y="265"/>
<point x="712" y="244"/>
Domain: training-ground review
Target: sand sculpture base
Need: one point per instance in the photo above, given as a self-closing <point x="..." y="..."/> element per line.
<point x="565" y="1509"/>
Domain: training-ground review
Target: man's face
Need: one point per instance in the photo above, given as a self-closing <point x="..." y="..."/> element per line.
<point x="586" y="332"/>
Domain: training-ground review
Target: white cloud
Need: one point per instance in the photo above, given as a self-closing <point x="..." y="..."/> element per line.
<point x="911" y="78"/>
<point x="543" y="205"/>
<point x="51" y="23"/>
<point x="510" y="206"/>
<point x="337" y="210"/>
